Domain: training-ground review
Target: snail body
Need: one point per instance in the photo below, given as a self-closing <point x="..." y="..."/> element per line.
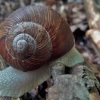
<point x="32" y="39"/>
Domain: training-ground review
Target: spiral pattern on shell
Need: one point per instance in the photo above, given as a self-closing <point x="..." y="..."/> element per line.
<point x="33" y="35"/>
<point x="22" y="40"/>
<point x="20" y="44"/>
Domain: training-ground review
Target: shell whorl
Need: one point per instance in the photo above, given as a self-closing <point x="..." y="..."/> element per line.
<point x="23" y="43"/>
<point x="20" y="44"/>
<point x="52" y="28"/>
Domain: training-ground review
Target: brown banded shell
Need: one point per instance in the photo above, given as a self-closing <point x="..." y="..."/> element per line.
<point x="38" y="25"/>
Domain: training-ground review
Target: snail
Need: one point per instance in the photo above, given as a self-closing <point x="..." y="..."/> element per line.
<point x="32" y="39"/>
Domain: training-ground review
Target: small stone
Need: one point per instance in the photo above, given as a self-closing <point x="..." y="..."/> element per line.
<point x="57" y="69"/>
<point x="68" y="87"/>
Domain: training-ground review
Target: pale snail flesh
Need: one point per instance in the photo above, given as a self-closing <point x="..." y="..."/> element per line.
<point x="32" y="39"/>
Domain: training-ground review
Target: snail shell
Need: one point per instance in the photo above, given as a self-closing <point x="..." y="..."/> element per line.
<point x="33" y="35"/>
